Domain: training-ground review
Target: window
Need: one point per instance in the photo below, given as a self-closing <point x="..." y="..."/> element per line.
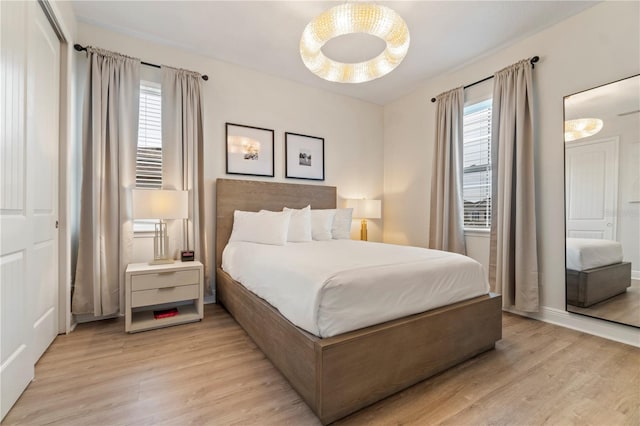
<point x="476" y="183"/>
<point x="149" y="151"/>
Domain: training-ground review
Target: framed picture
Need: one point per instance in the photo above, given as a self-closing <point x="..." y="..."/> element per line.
<point x="304" y="156"/>
<point x="249" y="150"/>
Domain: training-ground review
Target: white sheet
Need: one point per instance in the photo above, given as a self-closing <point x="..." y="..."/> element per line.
<point x="587" y="253"/>
<point x="331" y="287"/>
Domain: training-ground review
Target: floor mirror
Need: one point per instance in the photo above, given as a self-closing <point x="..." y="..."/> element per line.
<point x="602" y="201"/>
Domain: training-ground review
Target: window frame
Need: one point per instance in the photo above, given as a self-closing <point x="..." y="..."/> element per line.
<point x="476" y="104"/>
<point x="146" y="227"/>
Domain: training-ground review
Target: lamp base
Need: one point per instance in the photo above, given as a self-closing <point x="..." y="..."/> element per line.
<point x="363" y="230"/>
<point x="161" y="245"/>
<point x="161" y="261"/>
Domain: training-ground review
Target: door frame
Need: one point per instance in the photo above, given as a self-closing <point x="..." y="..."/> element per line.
<point x="64" y="26"/>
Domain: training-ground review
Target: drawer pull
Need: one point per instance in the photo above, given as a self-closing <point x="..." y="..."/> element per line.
<point x="166" y="288"/>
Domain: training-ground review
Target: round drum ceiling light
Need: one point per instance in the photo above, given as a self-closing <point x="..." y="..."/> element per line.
<point x="350" y="18"/>
<point x="581" y="128"/>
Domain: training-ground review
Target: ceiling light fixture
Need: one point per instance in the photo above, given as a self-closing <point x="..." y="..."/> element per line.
<point x="581" y="128"/>
<point x="350" y="18"/>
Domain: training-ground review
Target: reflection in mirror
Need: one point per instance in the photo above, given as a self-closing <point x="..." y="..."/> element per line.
<point x="602" y="205"/>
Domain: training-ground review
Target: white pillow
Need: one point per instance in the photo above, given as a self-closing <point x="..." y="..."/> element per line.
<point x="264" y="227"/>
<point x="299" y="225"/>
<point x="321" y="221"/>
<point x="341" y="228"/>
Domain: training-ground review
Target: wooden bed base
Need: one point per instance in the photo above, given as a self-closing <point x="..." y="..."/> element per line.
<point x="586" y="288"/>
<point x="339" y="375"/>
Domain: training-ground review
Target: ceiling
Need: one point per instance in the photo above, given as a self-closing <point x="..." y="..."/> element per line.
<point x="264" y="35"/>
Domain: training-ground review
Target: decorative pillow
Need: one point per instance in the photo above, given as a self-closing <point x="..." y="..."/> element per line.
<point x="299" y="225"/>
<point x="264" y="227"/>
<point x="321" y="221"/>
<point x="341" y="228"/>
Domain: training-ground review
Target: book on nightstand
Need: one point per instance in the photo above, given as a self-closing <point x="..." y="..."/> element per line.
<point x="165" y="313"/>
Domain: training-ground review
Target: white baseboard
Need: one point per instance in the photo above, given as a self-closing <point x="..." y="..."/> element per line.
<point x="601" y="328"/>
<point x="635" y="275"/>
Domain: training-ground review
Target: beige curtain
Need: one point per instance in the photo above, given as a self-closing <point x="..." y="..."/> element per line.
<point x="446" y="230"/>
<point x="513" y="263"/>
<point x="109" y="138"/>
<point x="182" y="145"/>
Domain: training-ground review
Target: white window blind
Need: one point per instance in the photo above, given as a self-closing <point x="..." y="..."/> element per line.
<point x="149" y="151"/>
<point x="149" y="154"/>
<point x="476" y="185"/>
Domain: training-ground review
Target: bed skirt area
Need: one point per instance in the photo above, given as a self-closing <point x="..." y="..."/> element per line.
<point x="339" y="375"/>
<point x="588" y="287"/>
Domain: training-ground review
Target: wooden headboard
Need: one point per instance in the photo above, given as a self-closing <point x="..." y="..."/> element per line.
<point x="252" y="196"/>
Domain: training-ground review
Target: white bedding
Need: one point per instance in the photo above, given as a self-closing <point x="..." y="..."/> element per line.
<point x="331" y="287"/>
<point x="587" y="253"/>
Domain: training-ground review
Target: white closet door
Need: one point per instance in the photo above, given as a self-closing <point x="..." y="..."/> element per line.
<point x="29" y="194"/>
<point x="592" y="188"/>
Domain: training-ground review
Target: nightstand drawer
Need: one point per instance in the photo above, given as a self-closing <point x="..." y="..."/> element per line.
<point x="164" y="279"/>
<point x="164" y="295"/>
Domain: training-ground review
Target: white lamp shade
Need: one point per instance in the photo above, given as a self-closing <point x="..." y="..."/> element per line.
<point x="366" y="209"/>
<point x="160" y="204"/>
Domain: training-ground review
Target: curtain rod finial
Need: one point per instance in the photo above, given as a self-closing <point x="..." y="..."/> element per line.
<point x="79" y="48"/>
<point x="433" y="99"/>
<point x="205" y="77"/>
<point x="534" y="60"/>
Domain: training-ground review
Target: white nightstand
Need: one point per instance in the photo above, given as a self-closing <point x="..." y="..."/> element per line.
<point x="156" y="287"/>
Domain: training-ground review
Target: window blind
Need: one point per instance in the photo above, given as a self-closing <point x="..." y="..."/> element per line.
<point x="476" y="184"/>
<point x="149" y="153"/>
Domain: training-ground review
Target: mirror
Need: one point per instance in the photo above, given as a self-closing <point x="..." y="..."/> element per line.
<point x="602" y="201"/>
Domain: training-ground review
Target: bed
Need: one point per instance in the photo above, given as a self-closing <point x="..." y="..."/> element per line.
<point x="338" y="375"/>
<point x="595" y="271"/>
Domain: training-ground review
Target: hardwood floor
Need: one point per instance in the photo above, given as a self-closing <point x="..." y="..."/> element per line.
<point x="624" y="308"/>
<point x="212" y="373"/>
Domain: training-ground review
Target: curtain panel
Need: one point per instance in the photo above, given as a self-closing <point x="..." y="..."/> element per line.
<point x="446" y="226"/>
<point x="183" y="169"/>
<point x="513" y="258"/>
<point x="109" y="139"/>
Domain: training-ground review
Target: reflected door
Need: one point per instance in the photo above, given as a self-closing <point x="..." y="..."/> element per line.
<point x="592" y="185"/>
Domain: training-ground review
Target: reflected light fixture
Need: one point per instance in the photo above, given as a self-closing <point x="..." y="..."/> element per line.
<point x="581" y="128"/>
<point x="350" y="18"/>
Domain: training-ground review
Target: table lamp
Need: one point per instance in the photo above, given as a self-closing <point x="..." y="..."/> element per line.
<point x="365" y="209"/>
<point x="160" y="204"/>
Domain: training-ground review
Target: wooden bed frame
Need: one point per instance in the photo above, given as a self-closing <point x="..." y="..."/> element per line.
<point x="588" y="287"/>
<point x="337" y="376"/>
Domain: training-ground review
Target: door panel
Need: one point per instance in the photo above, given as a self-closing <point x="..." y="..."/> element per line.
<point x="29" y="194"/>
<point x="43" y="65"/>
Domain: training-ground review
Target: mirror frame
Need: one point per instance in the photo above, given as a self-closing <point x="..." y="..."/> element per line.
<point x="564" y="190"/>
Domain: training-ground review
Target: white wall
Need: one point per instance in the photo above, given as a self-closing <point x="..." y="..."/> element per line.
<point x="352" y="129"/>
<point x="600" y="45"/>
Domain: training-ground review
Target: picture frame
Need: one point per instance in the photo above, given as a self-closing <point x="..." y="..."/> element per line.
<point x="249" y="150"/>
<point x="304" y="156"/>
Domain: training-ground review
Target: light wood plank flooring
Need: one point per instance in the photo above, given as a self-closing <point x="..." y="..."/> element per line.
<point x="212" y="373"/>
<point x="624" y="308"/>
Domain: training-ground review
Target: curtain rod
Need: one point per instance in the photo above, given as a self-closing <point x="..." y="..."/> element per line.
<point x="532" y="61"/>
<point x="80" y="48"/>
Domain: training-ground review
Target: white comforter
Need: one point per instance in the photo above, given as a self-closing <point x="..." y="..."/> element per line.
<point x="587" y="253"/>
<point x="331" y="287"/>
